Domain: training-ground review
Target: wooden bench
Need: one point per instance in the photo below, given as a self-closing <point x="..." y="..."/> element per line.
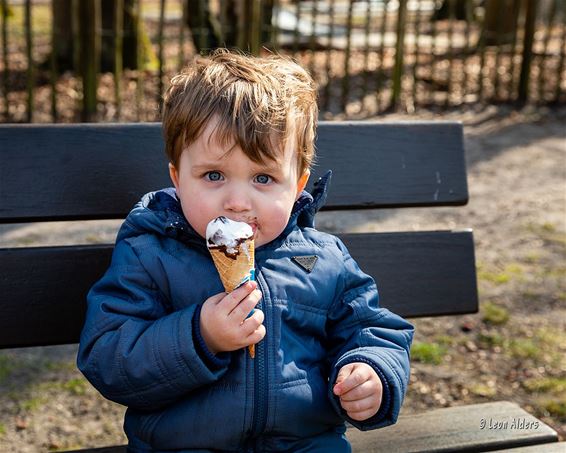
<point x="98" y="171"/>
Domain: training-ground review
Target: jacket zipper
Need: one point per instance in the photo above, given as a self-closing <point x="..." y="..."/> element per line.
<point x="260" y="373"/>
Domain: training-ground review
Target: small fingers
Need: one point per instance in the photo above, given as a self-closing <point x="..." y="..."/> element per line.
<point x="360" y="392"/>
<point x="252" y="323"/>
<point x="233" y="299"/>
<point x="216" y="299"/>
<point x="363" y="405"/>
<point x="256" y="336"/>
<point x="357" y="376"/>
<point x="244" y="308"/>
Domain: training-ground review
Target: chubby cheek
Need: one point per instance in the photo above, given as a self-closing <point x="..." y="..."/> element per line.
<point x="198" y="211"/>
<point x="272" y="223"/>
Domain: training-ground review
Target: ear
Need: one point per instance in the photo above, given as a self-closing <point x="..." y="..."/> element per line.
<point x="174" y="175"/>
<point x="302" y="182"/>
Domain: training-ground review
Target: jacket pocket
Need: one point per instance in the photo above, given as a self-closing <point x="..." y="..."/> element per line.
<point x="303" y="408"/>
<point x="209" y="418"/>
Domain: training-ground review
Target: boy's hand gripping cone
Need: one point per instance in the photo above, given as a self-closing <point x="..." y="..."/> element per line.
<point x="231" y="245"/>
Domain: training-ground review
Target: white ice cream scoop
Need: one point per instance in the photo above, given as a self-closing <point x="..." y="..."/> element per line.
<point x="223" y="232"/>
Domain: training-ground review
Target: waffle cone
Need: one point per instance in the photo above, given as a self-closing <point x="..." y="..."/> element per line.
<point x="233" y="271"/>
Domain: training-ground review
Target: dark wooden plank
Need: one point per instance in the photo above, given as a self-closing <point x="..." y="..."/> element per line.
<point x="456" y="429"/>
<point x="94" y="171"/>
<point x="77" y="171"/>
<point x="393" y="164"/>
<point x="42" y="290"/>
<point x="420" y="273"/>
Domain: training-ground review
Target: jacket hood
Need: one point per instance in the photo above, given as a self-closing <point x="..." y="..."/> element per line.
<point x="160" y="213"/>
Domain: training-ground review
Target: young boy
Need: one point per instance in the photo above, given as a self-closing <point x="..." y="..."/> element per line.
<point x="161" y="336"/>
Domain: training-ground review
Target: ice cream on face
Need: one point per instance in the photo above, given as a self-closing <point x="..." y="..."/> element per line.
<point x="226" y="234"/>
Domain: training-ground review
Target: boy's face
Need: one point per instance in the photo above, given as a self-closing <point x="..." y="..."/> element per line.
<point x="213" y="180"/>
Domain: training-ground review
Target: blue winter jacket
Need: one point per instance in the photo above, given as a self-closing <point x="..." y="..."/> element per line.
<point x="142" y="348"/>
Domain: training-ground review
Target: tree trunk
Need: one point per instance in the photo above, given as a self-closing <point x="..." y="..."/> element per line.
<point x="130" y="35"/>
<point x="245" y="24"/>
<point x="460" y="8"/>
<point x="499" y="21"/>
<point x="89" y="14"/>
<point x="67" y="38"/>
<point x="204" y="26"/>
<point x="65" y="43"/>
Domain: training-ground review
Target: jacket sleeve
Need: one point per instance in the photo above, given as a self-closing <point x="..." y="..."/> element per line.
<point x="132" y="348"/>
<point x="360" y="331"/>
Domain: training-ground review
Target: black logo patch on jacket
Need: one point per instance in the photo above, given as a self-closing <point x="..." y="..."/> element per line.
<point x="306" y="262"/>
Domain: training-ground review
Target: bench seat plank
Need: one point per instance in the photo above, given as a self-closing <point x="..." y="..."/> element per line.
<point x="454" y="429"/>
<point x="43" y="289"/>
<point x="457" y="429"/>
<point x="554" y="447"/>
<point x="98" y="171"/>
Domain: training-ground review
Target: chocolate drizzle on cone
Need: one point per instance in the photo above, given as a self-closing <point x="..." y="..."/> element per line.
<point x="230" y="252"/>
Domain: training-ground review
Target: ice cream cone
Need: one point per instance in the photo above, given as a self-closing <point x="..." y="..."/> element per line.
<point x="234" y="269"/>
<point x="231" y="245"/>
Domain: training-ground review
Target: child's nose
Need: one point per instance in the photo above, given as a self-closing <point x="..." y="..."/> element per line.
<point x="237" y="200"/>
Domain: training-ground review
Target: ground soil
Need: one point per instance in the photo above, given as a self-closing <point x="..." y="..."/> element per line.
<point x="514" y="349"/>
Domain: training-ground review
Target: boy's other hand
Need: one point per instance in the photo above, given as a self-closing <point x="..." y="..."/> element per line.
<point x="224" y="321"/>
<point x="359" y="389"/>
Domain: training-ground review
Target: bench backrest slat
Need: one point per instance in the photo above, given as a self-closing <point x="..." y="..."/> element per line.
<point x="43" y="289"/>
<point x="98" y="171"/>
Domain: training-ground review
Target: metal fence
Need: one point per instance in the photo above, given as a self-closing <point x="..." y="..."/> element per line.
<point x="368" y="56"/>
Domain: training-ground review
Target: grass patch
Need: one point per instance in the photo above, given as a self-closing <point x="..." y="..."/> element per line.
<point x="32" y="404"/>
<point x="558" y="272"/>
<point x="490" y="340"/>
<point x="493" y="277"/>
<point x="445" y="340"/>
<point x="545" y="346"/>
<point x="7" y="365"/>
<point x="546" y="385"/>
<point x="428" y="352"/>
<point x="76" y="386"/>
<point x="524" y="348"/>
<point x="533" y="257"/>
<point x="2" y="430"/>
<point x="552" y="337"/>
<point x="548" y="232"/>
<point x="482" y="390"/>
<point x="494" y="314"/>
<point x="532" y="295"/>
<point x="556" y="407"/>
<point x="510" y="271"/>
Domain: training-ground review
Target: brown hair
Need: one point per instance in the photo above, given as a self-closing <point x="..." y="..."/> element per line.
<point x="260" y="104"/>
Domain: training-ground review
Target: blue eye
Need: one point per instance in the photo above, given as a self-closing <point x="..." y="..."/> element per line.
<point x="213" y="176"/>
<point x="263" y="179"/>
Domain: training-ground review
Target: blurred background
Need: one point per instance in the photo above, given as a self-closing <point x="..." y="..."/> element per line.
<point x="102" y="60"/>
